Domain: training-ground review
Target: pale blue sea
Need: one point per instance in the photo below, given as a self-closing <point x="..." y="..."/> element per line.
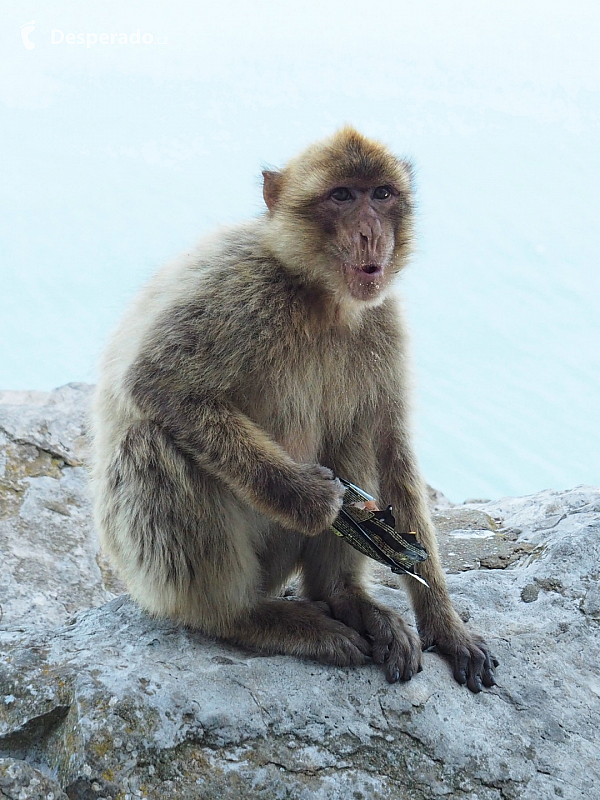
<point x="115" y="157"/>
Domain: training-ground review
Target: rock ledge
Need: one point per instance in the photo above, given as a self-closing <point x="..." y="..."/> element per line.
<point x="97" y="700"/>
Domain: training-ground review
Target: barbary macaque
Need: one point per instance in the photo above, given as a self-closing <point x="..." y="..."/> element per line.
<point x="245" y="378"/>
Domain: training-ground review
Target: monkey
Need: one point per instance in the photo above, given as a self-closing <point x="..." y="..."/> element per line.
<point x="246" y="377"/>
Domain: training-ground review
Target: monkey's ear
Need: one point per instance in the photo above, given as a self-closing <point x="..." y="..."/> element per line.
<point x="272" y="180"/>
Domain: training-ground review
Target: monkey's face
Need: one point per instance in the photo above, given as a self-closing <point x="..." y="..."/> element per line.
<point x="340" y="216"/>
<point x="360" y="221"/>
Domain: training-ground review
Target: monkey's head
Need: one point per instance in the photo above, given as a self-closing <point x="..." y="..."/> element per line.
<point x="340" y="216"/>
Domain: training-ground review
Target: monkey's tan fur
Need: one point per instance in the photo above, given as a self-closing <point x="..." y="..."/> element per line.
<point x="241" y="373"/>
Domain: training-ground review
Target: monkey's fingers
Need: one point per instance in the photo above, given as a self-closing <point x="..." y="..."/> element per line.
<point x="317" y="499"/>
<point x="480" y="670"/>
<point x="488" y="675"/>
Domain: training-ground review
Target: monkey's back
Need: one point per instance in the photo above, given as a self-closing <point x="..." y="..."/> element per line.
<point x="179" y="283"/>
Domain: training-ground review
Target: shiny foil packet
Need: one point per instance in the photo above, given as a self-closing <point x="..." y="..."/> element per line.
<point x="372" y="531"/>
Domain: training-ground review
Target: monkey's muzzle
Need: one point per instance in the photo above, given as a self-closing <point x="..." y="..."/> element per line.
<point x="373" y="532"/>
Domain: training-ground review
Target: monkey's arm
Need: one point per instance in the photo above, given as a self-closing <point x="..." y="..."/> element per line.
<point x="437" y="621"/>
<point x="226" y="443"/>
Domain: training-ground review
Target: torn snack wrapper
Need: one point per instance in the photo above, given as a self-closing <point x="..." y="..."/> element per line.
<point x="373" y="532"/>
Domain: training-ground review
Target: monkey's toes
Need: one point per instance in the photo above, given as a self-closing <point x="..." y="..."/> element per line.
<point x="395" y="646"/>
<point x="475" y="665"/>
<point x="472" y="662"/>
<point x="343" y="646"/>
<point x="400" y="655"/>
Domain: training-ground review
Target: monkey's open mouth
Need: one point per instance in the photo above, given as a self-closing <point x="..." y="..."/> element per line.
<point x="364" y="281"/>
<point x="370" y="269"/>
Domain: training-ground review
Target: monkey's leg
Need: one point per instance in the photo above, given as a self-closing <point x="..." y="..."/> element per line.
<point x="299" y="628"/>
<point x="178" y="536"/>
<point x="189" y="550"/>
<point x="332" y="573"/>
<point x="438" y="623"/>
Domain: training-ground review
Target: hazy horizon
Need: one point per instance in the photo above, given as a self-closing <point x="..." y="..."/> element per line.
<point x="116" y="157"/>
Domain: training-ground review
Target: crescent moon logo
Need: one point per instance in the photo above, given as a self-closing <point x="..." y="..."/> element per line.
<point x="26" y="29"/>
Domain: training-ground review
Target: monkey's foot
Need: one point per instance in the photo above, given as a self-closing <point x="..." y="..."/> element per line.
<point x="341" y="645"/>
<point x="300" y="628"/>
<point x="467" y="653"/>
<point x="394" y="645"/>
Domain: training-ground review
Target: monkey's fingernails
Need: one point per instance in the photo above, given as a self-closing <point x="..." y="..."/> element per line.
<point x="393" y="676"/>
<point x="460" y="675"/>
<point x="488" y="670"/>
<point x="489" y="679"/>
<point x="461" y="665"/>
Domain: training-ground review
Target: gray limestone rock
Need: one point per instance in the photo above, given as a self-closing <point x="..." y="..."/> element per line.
<point x="20" y="781"/>
<point x="50" y="561"/>
<point x="105" y="702"/>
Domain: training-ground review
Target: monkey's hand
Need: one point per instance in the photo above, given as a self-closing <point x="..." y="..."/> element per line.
<point x="314" y="499"/>
<point x="467" y="653"/>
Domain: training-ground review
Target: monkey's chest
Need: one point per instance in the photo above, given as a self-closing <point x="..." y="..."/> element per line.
<point x="309" y="408"/>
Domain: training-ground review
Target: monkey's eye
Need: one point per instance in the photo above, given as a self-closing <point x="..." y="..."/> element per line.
<point x="382" y="193"/>
<point x="342" y="194"/>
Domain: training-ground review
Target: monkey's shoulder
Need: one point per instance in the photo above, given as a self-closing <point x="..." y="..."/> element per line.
<point x="230" y="285"/>
<point x="230" y="307"/>
<point x="226" y="306"/>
